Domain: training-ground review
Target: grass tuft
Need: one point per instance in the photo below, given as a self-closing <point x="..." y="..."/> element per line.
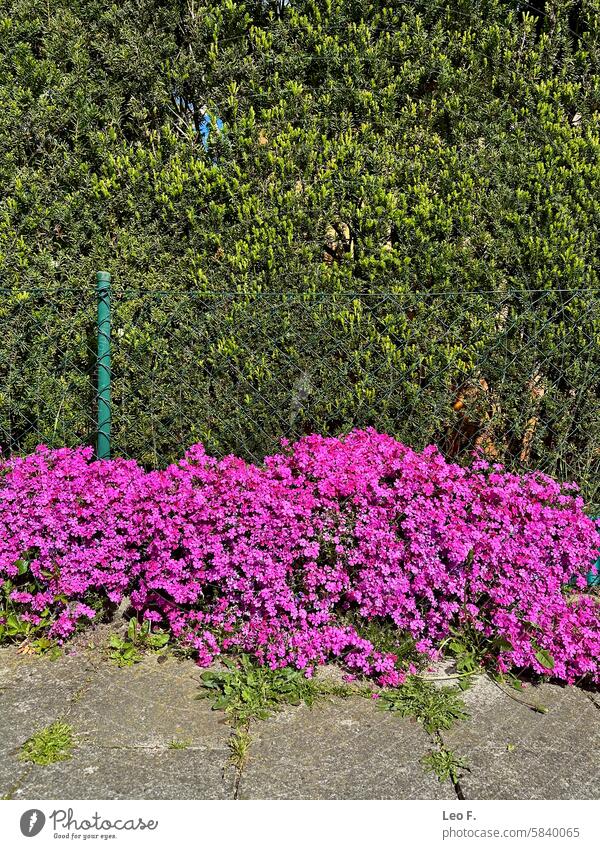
<point x="51" y="744"/>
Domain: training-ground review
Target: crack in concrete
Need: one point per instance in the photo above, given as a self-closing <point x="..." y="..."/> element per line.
<point x="238" y="768"/>
<point x="438" y="740"/>
<point x="18" y="783"/>
<point x="151" y="747"/>
<point x="593" y="700"/>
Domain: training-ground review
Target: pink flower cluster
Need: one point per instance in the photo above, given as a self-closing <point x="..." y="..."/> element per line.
<point x="71" y="523"/>
<point x="271" y="559"/>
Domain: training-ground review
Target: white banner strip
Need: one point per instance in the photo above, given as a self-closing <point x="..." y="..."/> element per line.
<point x="301" y="824"/>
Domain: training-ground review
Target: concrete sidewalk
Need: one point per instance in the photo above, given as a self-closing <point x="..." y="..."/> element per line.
<point x="129" y="721"/>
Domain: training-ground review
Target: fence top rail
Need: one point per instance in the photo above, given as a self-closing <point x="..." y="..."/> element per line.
<point x="426" y="293"/>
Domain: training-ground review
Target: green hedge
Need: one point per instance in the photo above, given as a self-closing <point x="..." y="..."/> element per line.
<point x="366" y="148"/>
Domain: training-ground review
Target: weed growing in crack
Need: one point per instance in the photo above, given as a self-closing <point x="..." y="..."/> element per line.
<point x="246" y="691"/>
<point x="51" y="744"/>
<point x="239" y="746"/>
<point x="445" y="764"/>
<point x="122" y="652"/>
<point x="128" y="650"/>
<point x="180" y="744"/>
<point x="436" y="708"/>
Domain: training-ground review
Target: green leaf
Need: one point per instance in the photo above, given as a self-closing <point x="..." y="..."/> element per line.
<point x="22" y="566"/>
<point x="544" y="658"/>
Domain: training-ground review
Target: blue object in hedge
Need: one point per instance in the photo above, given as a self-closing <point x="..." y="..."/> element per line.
<point x="593" y="576"/>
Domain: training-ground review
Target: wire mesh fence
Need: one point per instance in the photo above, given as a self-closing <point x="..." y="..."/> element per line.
<point x="514" y="374"/>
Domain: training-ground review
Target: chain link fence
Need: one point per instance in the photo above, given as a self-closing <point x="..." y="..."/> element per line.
<point x="514" y="374"/>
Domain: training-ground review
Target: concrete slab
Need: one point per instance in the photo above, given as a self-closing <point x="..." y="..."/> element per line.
<point x="149" y="704"/>
<point x="339" y="750"/>
<point x="515" y="753"/>
<point x="34" y="692"/>
<point x="123" y="720"/>
<point x="131" y="773"/>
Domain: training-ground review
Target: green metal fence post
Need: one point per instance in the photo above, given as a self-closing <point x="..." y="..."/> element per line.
<point x="103" y="363"/>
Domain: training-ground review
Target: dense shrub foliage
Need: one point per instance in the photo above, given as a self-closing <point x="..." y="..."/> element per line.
<point x="364" y="147"/>
<point x="287" y="559"/>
